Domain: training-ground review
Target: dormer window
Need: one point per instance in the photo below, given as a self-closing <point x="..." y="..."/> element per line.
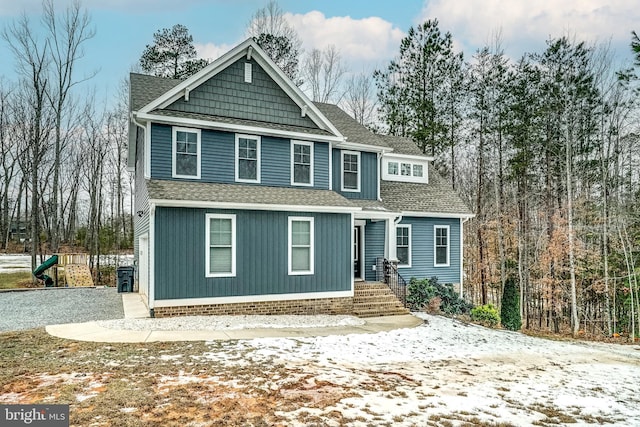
<point x="404" y="168"/>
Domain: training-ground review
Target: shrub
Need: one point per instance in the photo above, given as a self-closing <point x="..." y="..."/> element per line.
<point x="486" y="315"/>
<point x="510" y="309"/>
<point x="422" y="293"/>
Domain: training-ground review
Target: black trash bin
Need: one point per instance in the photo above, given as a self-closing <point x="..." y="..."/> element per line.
<point x="125" y="279"/>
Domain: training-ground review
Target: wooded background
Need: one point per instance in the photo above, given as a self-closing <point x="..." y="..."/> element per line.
<point x="543" y="148"/>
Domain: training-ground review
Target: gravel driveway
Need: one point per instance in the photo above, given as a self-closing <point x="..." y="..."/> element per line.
<point x="41" y="307"/>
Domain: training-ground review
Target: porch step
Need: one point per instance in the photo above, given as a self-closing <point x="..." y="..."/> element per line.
<point x="376" y="299"/>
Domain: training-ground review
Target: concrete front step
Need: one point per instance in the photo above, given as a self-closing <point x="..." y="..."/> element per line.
<point x="377" y="313"/>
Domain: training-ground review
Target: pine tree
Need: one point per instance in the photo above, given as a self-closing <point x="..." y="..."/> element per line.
<point x="172" y="54"/>
<point x="510" y="310"/>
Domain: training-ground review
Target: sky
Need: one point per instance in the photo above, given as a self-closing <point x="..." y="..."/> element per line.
<point x="367" y="32"/>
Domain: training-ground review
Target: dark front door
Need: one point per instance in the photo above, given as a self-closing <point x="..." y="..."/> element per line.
<point x="357" y="249"/>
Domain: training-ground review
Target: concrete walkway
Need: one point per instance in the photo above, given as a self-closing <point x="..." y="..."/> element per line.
<point x="134" y="307"/>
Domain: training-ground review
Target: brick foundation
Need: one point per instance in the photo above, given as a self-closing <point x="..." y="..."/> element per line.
<point x="303" y="306"/>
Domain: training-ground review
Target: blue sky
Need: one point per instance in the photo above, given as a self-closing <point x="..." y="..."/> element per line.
<point x="367" y="32"/>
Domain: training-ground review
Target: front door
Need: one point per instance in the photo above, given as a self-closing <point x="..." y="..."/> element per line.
<point x="357" y="249"/>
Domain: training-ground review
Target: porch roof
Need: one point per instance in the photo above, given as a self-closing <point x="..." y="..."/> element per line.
<point x="435" y="197"/>
<point x="189" y="191"/>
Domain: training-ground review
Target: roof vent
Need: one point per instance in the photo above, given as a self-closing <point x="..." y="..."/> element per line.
<point x="247" y="72"/>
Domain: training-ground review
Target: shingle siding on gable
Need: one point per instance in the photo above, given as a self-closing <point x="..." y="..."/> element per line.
<point x="226" y="94"/>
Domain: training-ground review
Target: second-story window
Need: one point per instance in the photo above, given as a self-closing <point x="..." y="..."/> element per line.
<point x="186" y="153"/>
<point x="301" y="163"/>
<point x="247" y="158"/>
<point x="350" y="171"/>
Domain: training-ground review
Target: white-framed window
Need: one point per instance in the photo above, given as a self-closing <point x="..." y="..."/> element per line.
<point x="301" y="245"/>
<point x="220" y="245"/>
<point x="247" y="158"/>
<point x="403" y="245"/>
<point x="392" y="168"/>
<point x="301" y="163"/>
<point x="186" y="153"/>
<point x="441" y="246"/>
<point x="397" y="168"/>
<point x="351" y="171"/>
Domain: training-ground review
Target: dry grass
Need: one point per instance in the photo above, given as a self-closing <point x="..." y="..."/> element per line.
<point x="15" y="280"/>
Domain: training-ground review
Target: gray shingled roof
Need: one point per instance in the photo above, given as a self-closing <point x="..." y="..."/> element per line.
<point x="145" y="89"/>
<point x="242" y="122"/>
<point x="401" y="145"/>
<point x="348" y="126"/>
<point x="242" y="193"/>
<point x="436" y="196"/>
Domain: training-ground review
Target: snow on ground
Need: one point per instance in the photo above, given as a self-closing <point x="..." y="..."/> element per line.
<point x="449" y="372"/>
<point x="217" y="323"/>
<point x="15" y="263"/>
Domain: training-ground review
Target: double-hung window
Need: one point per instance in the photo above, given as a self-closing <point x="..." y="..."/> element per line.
<point x="350" y="171"/>
<point x="186" y="153"/>
<point x="403" y="245"/>
<point x="221" y="245"/>
<point x="247" y="158"/>
<point x="441" y="245"/>
<point x="301" y="163"/>
<point x="301" y="236"/>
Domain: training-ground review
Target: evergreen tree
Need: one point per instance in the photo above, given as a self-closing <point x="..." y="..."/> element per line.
<point x="271" y="31"/>
<point x="413" y="90"/>
<point x="172" y="54"/>
<point x="510" y="310"/>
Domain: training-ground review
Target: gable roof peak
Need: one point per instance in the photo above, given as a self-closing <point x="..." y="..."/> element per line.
<point x="251" y="50"/>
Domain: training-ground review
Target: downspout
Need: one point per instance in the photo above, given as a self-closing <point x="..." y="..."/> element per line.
<point x="330" y="165"/>
<point x="462" y="221"/>
<point x="152" y="262"/>
<point x="379" y="177"/>
<point x="393" y="254"/>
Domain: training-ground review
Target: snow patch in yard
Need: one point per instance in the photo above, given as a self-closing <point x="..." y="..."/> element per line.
<point x="222" y="323"/>
<point x="453" y="372"/>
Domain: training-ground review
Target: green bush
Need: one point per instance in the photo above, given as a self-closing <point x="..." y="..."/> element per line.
<point x="486" y="315"/>
<point x="510" y="309"/>
<point x="422" y="293"/>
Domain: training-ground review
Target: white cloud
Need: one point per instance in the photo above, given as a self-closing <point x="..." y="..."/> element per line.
<point x="212" y="51"/>
<point x="362" y="42"/>
<point x="526" y="24"/>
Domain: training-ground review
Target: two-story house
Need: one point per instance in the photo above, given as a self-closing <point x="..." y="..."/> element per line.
<point x="250" y="198"/>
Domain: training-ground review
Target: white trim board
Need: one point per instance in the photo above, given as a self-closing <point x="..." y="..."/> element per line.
<point x="251" y="206"/>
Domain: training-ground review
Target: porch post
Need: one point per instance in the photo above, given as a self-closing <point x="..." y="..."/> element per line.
<point x="391" y="242"/>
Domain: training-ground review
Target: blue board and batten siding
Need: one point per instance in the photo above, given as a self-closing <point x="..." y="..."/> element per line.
<point x="261" y="255"/>
<point x="218" y="158"/>
<point x="422" y="250"/>
<point x="368" y="176"/>
<point x="374" y="240"/>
